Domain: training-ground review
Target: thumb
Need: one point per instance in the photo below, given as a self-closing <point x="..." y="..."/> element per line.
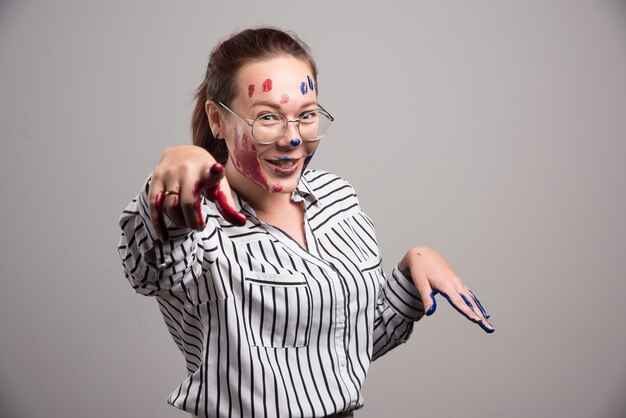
<point x="427" y="294"/>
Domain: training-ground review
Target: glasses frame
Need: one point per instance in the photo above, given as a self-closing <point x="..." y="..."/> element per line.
<point x="250" y="123"/>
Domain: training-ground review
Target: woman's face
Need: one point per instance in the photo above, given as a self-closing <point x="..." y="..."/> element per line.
<point x="284" y="85"/>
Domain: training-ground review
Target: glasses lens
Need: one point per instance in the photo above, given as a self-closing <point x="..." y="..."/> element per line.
<point x="268" y="127"/>
<point x="314" y="124"/>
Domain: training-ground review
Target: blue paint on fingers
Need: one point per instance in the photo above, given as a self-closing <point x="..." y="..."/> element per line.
<point x="468" y="303"/>
<point x="480" y="305"/>
<point x="433" y="307"/>
<point x="457" y="308"/>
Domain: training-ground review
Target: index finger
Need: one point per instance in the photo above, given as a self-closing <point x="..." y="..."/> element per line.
<point x="464" y="306"/>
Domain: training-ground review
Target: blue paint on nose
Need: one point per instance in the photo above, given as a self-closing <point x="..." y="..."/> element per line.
<point x="295" y="142"/>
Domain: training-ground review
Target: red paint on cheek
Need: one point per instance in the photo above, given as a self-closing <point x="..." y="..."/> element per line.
<point x="246" y="161"/>
<point x="267" y="85"/>
<point x="284" y="98"/>
<point x="277" y="188"/>
<point x="250" y="90"/>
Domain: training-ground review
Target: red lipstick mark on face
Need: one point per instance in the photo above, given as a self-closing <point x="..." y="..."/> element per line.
<point x="284" y="98"/>
<point x="267" y="85"/>
<point x="250" y="90"/>
<point x="246" y="161"/>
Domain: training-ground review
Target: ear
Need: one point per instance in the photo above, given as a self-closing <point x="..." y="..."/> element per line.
<point x="215" y="118"/>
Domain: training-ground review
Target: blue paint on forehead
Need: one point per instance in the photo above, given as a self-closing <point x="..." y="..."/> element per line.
<point x="303" y="88"/>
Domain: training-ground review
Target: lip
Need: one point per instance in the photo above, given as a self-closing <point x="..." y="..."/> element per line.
<point x="284" y="171"/>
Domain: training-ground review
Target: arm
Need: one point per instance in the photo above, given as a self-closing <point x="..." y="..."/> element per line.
<point x="153" y="266"/>
<point x="160" y="247"/>
<point x="399" y="306"/>
<point x="420" y="275"/>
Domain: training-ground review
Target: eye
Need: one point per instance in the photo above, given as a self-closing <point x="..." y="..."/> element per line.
<point x="309" y="116"/>
<point x="268" y="117"/>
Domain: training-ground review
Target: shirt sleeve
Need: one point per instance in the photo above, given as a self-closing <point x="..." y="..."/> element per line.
<point x="399" y="306"/>
<point x="153" y="267"/>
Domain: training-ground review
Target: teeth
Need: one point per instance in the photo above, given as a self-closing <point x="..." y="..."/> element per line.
<point x="283" y="162"/>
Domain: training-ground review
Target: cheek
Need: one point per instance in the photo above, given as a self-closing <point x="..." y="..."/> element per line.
<point x="311" y="147"/>
<point x="244" y="156"/>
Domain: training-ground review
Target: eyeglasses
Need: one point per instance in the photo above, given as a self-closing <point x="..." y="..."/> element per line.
<point x="267" y="128"/>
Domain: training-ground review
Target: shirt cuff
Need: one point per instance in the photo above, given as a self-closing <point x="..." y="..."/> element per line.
<point x="403" y="297"/>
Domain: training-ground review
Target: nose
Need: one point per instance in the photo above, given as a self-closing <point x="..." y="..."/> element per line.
<point x="291" y="136"/>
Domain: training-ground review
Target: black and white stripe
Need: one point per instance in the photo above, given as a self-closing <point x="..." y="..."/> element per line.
<point x="267" y="328"/>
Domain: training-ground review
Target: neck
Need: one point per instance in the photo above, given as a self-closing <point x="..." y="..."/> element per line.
<point x="260" y="199"/>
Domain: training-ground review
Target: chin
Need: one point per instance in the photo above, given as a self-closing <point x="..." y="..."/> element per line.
<point x="282" y="186"/>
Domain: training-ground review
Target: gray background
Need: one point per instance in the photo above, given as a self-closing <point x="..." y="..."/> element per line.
<point x="492" y="131"/>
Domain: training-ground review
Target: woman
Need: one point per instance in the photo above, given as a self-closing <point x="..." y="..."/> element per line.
<point x="267" y="273"/>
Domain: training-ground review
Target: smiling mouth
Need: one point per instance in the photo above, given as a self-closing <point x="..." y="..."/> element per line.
<point x="283" y="165"/>
<point x="284" y="162"/>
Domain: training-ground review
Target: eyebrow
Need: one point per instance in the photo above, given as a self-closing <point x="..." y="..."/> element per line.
<point x="277" y="106"/>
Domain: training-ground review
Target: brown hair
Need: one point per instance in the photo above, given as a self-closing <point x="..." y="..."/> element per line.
<point x="225" y="61"/>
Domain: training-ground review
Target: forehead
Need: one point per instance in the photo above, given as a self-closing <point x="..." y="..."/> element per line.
<point x="274" y="77"/>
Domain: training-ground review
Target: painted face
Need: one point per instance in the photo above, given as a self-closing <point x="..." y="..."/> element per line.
<point x="279" y="85"/>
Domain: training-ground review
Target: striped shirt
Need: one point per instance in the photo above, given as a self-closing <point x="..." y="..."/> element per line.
<point x="267" y="328"/>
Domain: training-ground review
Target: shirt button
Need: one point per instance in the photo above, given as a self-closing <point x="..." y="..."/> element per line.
<point x="341" y="319"/>
<point x="342" y="363"/>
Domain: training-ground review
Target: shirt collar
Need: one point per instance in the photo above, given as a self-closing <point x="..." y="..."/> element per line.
<point x="305" y="193"/>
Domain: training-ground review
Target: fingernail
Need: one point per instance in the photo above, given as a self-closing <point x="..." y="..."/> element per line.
<point x="217" y="169"/>
<point x="487" y="328"/>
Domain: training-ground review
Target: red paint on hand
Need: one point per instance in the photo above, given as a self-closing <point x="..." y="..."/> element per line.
<point x="209" y="187"/>
<point x="267" y="85"/>
<point x="158" y="204"/>
<point x="227" y="211"/>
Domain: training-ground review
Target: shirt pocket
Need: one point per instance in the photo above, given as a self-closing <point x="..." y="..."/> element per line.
<point x="278" y="309"/>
